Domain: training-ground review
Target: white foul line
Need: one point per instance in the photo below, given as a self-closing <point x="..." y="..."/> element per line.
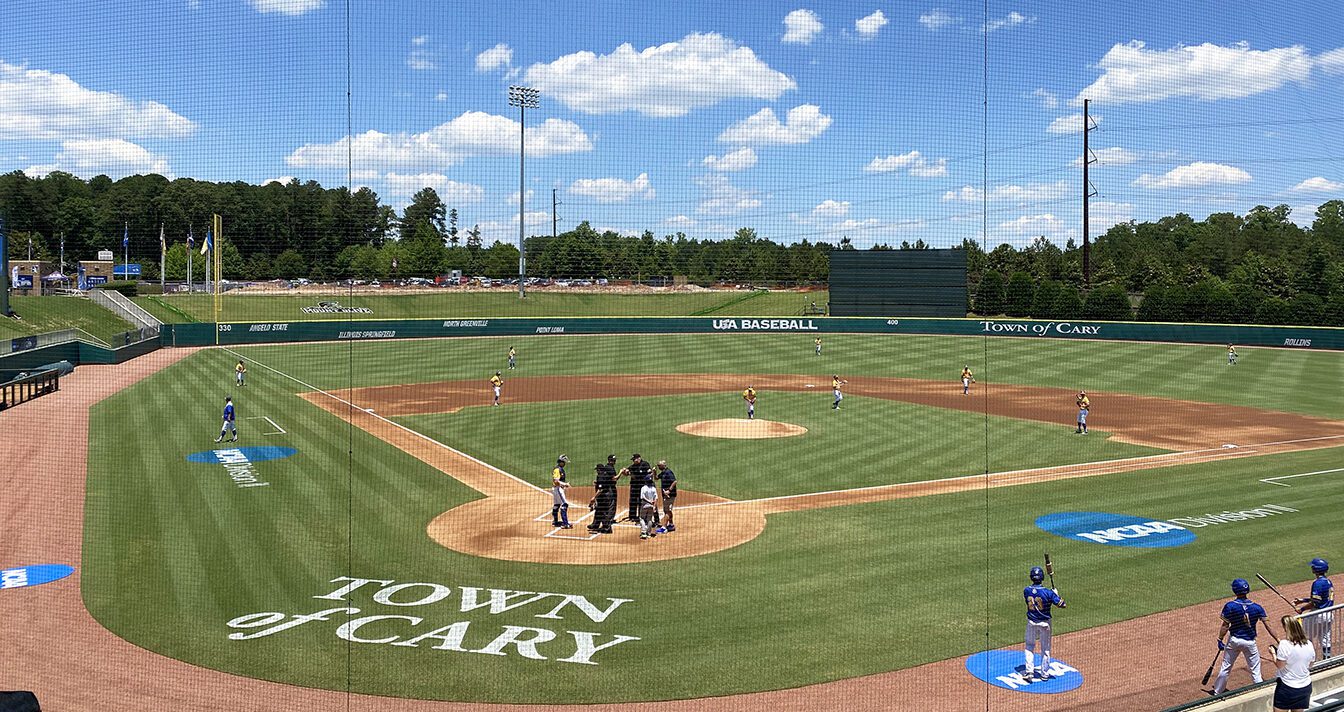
<point x="416" y="433"/>
<point x="1274" y="480"/>
<point x="281" y="431"/>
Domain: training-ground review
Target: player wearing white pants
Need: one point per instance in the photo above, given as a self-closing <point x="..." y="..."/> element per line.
<point x="1039" y="600"/>
<point x="1322" y="596"/>
<point x="1239" y="617"/>
<point x="1318" y="629"/>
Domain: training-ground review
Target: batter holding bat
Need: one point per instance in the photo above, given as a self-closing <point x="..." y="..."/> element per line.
<point x="1238" y="618"/>
<point x="1039" y="600"/>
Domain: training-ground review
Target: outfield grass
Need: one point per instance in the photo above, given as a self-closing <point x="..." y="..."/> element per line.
<point x="55" y="313"/>
<point x="442" y="304"/>
<point x="173" y="550"/>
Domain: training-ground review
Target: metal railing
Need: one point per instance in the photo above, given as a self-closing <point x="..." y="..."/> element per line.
<point x="50" y="338"/>
<point x="1323" y="628"/>
<point x="125" y="308"/>
<point x="29" y="386"/>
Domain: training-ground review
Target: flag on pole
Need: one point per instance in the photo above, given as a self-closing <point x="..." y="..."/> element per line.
<point x="209" y="242"/>
<point x="191" y="240"/>
<point x="125" y="235"/>
<point x="163" y="241"/>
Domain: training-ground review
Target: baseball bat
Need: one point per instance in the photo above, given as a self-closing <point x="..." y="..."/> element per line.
<point x="1050" y="570"/>
<point x="1209" y="673"/>
<point x="1271" y="586"/>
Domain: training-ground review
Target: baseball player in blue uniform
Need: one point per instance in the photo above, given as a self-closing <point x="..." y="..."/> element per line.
<point x="1039" y="600"/>
<point x="1239" y="617"/>
<point x="1322" y="596"/>
<point x="229" y="425"/>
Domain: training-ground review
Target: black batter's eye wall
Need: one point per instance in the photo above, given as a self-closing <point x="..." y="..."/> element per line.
<point x="898" y="283"/>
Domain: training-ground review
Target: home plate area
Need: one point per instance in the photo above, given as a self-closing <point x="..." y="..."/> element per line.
<point x="1006" y="669"/>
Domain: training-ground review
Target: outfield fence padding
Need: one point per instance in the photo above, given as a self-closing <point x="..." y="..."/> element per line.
<point x="238" y="333"/>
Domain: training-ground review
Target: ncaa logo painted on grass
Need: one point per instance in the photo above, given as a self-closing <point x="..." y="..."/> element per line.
<point x="248" y="454"/>
<point x="25" y="576"/>
<point x="1007" y="668"/>
<point x="1115" y="529"/>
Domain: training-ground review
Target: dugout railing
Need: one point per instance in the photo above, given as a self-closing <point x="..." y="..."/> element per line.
<point x="30" y="386"/>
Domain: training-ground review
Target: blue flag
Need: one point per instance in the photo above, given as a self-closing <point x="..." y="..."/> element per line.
<point x="191" y="240"/>
<point x="125" y="235"/>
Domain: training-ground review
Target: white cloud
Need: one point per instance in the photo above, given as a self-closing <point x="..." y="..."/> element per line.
<point x="1196" y="174"/>
<point x="937" y="19"/>
<point x="1133" y="73"/>
<point x="680" y="221"/>
<point x="450" y="191"/>
<point x="867" y="27"/>
<point x="194" y="4"/>
<point x="417" y="41"/>
<point x="1030" y="193"/>
<point x="41" y="105"/>
<point x="802" y="124"/>
<point x="1012" y="19"/>
<point x="282" y="180"/>
<point x="513" y="198"/>
<point x="613" y="190"/>
<point x="114" y="157"/>
<point x="724" y="198"/>
<point x="1048" y="98"/>
<point x="1073" y="123"/>
<point x="801" y="26"/>
<point x="441" y="96"/>
<point x="1113" y="156"/>
<point x="831" y="209"/>
<point x="501" y="55"/>
<point x="420" y="59"/>
<point x="739" y="160"/>
<point x="666" y="80"/>
<point x="287" y="7"/>
<point x="1102" y="215"/>
<point x="912" y="162"/>
<point x="1318" y="184"/>
<point x="1046" y="224"/>
<point x="471" y="134"/>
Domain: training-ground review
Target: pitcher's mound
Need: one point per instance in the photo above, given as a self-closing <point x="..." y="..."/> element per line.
<point x="741" y="429"/>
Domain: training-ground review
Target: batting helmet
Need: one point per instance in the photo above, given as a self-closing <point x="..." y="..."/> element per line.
<point x="1319" y="566"/>
<point x="562" y="459"/>
<point x="1240" y="586"/>
<point x="1037" y="574"/>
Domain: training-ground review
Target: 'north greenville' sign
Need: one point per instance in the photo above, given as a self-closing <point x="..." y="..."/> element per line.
<point x="335" y="308"/>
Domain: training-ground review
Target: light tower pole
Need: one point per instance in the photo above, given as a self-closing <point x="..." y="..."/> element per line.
<point x="524" y="98"/>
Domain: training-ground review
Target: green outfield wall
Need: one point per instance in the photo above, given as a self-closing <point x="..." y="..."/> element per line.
<point x="238" y="333"/>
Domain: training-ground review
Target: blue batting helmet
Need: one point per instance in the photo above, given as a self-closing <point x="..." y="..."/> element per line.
<point x="1319" y="566"/>
<point x="1240" y="586"/>
<point x="1036" y="574"/>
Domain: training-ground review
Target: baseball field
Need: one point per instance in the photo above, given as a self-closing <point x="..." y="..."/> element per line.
<point x="893" y="533"/>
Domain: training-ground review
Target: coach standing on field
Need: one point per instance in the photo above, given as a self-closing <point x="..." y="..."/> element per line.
<point x="604" y="497"/>
<point x="640" y="474"/>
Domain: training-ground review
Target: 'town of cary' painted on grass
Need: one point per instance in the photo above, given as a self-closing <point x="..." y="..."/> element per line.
<point x="384" y="627"/>
<point x="1129" y="530"/>
<point x="240" y="462"/>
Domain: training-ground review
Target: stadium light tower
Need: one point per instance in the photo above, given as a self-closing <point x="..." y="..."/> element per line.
<point x="524" y="98"/>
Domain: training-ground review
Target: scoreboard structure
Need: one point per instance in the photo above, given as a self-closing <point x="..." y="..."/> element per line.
<point x="894" y="283"/>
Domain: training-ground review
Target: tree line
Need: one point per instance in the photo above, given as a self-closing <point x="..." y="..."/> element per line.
<point x="1258" y="267"/>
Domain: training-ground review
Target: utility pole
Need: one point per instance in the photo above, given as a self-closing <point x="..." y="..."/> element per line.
<point x="553" y="214"/>
<point x="1088" y="192"/>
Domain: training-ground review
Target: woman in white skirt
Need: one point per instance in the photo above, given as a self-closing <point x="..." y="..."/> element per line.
<point x="1293" y="656"/>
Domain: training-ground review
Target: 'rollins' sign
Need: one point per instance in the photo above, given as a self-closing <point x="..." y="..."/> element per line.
<point x="355" y="625"/>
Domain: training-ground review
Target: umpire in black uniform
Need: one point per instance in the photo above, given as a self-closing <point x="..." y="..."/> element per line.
<point x="604" y="497"/>
<point x="641" y="473"/>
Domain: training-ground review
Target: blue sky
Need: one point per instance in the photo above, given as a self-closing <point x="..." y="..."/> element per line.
<point x="803" y="120"/>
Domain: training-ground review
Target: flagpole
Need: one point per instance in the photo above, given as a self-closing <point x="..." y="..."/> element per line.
<point x="163" y="256"/>
<point x="125" y="251"/>
<point x="191" y="248"/>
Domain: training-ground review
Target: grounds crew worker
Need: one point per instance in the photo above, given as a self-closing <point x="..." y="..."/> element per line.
<point x="604" y="497"/>
<point x="640" y="474"/>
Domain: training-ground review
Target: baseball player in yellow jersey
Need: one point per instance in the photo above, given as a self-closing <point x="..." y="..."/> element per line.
<point x="496" y="383"/>
<point x="513" y="358"/>
<point x="240" y="372"/>
<point x="817" y="341"/>
<point x="836" y="383"/>
<point x="1231" y="355"/>
<point x="1084" y="405"/>
<point x="749" y="396"/>
<point x="967" y="378"/>
<point x="560" y="505"/>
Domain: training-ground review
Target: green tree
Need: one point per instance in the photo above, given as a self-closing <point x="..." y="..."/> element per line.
<point x="290" y="265"/>
<point x="1047" y="295"/>
<point x="1274" y="310"/>
<point x="427" y="209"/>
<point x="1108" y="303"/>
<point x="1307" y="309"/>
<point x="989" y="298"/>
<point x="1069" y="305"/>
<point x="1019" y="294"/>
